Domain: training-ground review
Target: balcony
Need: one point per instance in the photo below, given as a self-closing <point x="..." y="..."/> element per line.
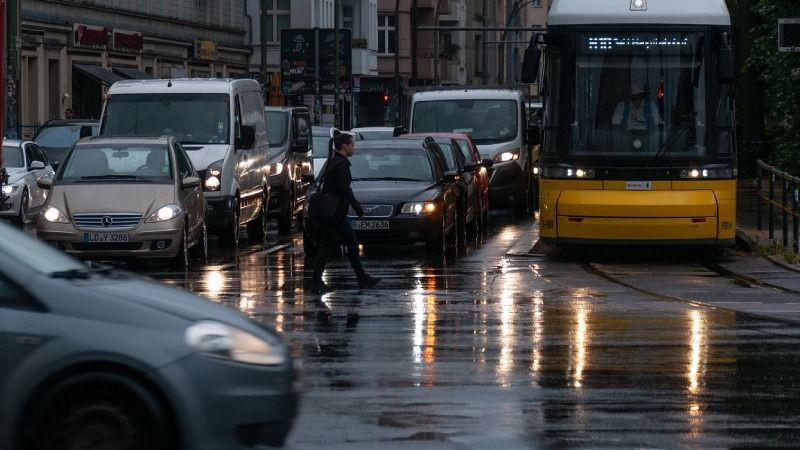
<point x="365" y="62"/>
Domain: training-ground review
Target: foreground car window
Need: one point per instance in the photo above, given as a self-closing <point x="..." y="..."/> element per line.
<point x="391" y="164"/>
<point x="12" y="156"/>
<point x="91" y="162"/>
<point x="33" y="253"/>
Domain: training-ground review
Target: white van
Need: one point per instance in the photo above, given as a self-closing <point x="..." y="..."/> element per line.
<point x="221" y="125"/>
<point x="497" y="121"/>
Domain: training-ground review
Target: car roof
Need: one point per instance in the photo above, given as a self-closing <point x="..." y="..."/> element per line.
<point x="360" y="129"/>
<point x="468" y="94"/>
<point x="111" y="140"/>
<point x="12" y="142"/>
<point x="616" y="12"/>
<point x="393" y="143"/>
<point x="443" y="135"/>
<point x="182" y="86"/>
<point x="69" y="122"/>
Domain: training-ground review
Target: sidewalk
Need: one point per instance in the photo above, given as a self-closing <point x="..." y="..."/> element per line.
<point x="747" y="233"/>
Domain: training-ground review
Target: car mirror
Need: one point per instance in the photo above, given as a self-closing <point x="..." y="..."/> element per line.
<point x="487" y="163"/>
<point x="451" y="177"/>
<point x="300" y="145"/>
<point x="307" y="177"/>
<point x="86" y="131"/>
<point x="44" y="183"/>
<point x="190" y="182"/>
<point x="247" y="137"/>
<point x="470" y="167"/>
<point x="37" y="165"/>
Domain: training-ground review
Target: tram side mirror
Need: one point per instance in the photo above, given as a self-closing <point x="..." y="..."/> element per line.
<point x="530" y="62"/>
<point x="726" y="65"/>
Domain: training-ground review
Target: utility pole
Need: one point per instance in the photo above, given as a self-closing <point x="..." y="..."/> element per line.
<point x="396" y="62"/>
<point x="414" y="44"/>
<point x="264" y="38"/>
<point x="484" y="38"/>
<point x="12" y="69"/>
<point x="336" y="112"/>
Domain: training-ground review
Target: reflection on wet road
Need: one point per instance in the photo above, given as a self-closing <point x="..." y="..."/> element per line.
<point x="499" y="348"/>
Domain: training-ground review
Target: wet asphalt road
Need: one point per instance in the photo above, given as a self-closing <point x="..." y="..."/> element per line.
<point x="502" y="348"/>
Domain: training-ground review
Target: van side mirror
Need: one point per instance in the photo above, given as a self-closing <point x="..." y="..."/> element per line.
<point x="300" y="144"/>
<point x="530" y="62"/>
<point x="45" y="183"/>
<point x="247" y="137"/>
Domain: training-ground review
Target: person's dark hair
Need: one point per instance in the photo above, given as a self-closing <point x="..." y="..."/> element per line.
<point x="341" y="139"/>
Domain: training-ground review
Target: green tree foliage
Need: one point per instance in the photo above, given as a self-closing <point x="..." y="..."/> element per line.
<point x="780" y="73"/>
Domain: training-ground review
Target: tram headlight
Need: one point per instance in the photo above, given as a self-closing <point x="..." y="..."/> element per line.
<point x="707" y="173"/>
<point x="567" y="172"/>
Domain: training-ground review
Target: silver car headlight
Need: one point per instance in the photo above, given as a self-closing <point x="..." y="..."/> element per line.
<point x="165" y="213"/>
<point x="10" y="189"/>
<point x="53" y="214"/>
<point x="226" y="342"/>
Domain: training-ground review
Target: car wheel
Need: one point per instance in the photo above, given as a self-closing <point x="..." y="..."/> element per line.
<point x="102" y="413"/>
<point x="24" y="204"/>
<point x="286" y="220"/>
<point x="181" y="260"/>
<point x="230" y="235"/>
<point x="200" y="249"/>
<point x="257" y="229"/>
<point x="521" y="201"/>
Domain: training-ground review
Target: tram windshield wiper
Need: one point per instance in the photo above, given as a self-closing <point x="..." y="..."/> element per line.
<point x="670" y="140"/>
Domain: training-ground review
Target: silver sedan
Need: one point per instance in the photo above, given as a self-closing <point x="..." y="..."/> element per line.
<point x="25" y="163"/>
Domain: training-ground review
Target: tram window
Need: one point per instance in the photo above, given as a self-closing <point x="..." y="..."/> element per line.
<point x="639" y="94"/>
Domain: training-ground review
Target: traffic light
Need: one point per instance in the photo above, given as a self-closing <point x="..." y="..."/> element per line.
<point x="386" y="99"/>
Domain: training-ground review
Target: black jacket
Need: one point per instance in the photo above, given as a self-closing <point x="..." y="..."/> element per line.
<point x="337" y="181"/>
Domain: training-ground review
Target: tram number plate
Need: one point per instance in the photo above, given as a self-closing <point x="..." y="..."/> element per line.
<point x="638" y="185"/>
<point x="370" y="225"/>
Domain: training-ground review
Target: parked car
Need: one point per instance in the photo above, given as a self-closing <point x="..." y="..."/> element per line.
<point x="221" y="125"/>
<point x="25" y="164"/>
<point x="407" y="194"/>
<point x="468" y="207"/>
<point x="102" y="359"/>
<point x="480" y="169"/>
<point x="56" y="137"/>
<point x="290" y="147"/>
<point x="126" y="197"/>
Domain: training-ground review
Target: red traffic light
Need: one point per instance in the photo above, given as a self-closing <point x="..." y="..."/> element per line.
<point x="385" y="98"/>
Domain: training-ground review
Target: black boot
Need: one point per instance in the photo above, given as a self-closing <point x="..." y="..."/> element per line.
<point x="367" y="281"/>
<point x="319" y="287"/>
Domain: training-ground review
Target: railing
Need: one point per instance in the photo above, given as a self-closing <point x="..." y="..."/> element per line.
<point x="788" y="186"/>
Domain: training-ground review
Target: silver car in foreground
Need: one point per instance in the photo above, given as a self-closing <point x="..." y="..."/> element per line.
<point x="22" y="198"/>
<point x="97" y="359"/>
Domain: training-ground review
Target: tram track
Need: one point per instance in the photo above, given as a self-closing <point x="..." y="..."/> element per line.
<point x="596" y="270"/>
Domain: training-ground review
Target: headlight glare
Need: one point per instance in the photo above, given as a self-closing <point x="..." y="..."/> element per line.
<point x="418" y="208"/>
<point x="278" y="169"/>
<point x="512" y="155"/>
<point x="226" y="342"/>
<point x="165" y="213"/>
<point x="708" y="173"/>
<point x="567" y="172"/>
<point x="53" y="214"/>
<point x="9" y="189"/>
<point x="213" y="180"/>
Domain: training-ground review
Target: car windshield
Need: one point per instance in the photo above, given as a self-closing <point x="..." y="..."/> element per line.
<point x="639" y="94"/>
<point x="277" y="124"/>
<point x="62" y="136"/>
<point x="488" y="121"/>
<point x="400" y="164"/>
<point x="33" y="253"/>
<point x="371" y="135"/>
<point x="12" y="156"/>
<point x="118" y="162"/>
<point x="321" y="145"/>
<point x="192" y="118"/>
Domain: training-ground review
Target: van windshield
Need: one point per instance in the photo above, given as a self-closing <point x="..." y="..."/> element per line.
<point x="192" y="118"/>
<point x="488" y="121"/>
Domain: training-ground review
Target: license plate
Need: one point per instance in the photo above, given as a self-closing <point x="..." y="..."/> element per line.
<point x="638" y="185"/>
<point x="370" y="224"/>
<point x="105" y="237"/>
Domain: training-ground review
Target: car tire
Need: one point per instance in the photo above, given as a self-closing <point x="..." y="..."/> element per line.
<point x="286" y="220"/>
<point x="200" y="249"/>
<point x="98" y="412"/>
<point x="181" y="260"/>
<point x="257" y="229"/>
<point x="521" y="202"/>
<point x="229" y="236"/>
<point x="24" y="205"/>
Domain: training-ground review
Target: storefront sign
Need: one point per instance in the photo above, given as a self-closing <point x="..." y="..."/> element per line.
<point x="89" y="35"/>
<point x="206" y="50"/>
<point x="127" y="40"/>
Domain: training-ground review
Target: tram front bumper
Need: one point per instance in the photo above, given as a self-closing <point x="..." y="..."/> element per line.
<point x="645" y="218"/>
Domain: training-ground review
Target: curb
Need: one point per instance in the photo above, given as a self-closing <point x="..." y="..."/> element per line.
<point x="744" y="240"/>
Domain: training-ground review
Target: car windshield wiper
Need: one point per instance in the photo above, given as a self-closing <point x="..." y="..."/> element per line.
<point x="115" y="177"/>
<point x="388" y="179"/>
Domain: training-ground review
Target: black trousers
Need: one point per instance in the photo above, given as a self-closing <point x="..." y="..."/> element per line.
<point x="344" y="232"/>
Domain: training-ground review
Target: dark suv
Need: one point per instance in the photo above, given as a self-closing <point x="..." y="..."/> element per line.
<point x="290" y="147"/>
<point x="56" y="137"/>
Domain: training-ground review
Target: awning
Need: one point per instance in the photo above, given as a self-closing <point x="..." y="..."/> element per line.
<point x="106" y="76"/>
<point x="131" y="73"/>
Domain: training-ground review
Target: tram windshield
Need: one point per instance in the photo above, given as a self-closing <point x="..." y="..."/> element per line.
<point x="639" y="94"/>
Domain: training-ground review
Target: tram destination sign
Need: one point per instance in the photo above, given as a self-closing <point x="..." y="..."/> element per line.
<point x="789" y="35"/>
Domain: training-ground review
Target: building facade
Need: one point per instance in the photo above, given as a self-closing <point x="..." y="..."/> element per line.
<point x="71" y="51"/>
